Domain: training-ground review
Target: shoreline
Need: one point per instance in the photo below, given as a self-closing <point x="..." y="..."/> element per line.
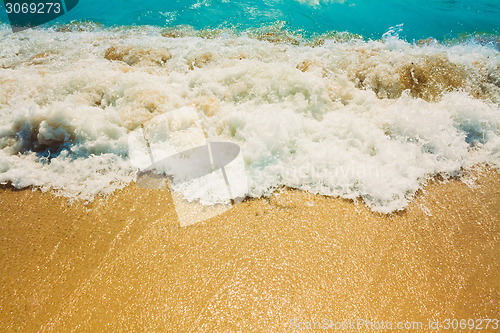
<point x="125" y="264"/>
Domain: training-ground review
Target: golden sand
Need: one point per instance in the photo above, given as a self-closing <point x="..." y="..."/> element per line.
<point x="125" y="265"/>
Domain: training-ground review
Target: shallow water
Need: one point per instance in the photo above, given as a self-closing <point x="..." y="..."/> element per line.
<point x="336" y="114"/>
<point x="126" y="264"/>
<point x="420" y="19"/>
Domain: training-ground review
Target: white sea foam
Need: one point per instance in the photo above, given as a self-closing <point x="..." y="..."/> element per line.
<point x="371" y="120"/>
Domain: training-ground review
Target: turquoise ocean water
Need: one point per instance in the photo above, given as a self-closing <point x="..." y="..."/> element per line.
<point x="340" y="98"/>
<point x="419" y="19"/>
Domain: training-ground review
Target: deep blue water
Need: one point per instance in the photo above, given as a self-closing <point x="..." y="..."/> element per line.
<point x="370" y="18"/>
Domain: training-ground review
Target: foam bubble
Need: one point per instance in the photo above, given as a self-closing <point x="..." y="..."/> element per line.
<point x="357" y="119"/>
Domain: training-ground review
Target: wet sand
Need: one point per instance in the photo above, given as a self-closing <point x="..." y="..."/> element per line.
<point x="125" y="264"/>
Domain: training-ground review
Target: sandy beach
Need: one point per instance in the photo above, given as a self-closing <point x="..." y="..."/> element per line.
<point x="124" y="264"/>
<point x="250" y="166"/>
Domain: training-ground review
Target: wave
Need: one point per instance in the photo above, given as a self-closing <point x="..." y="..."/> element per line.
<point x="335" y="115"/>
<point x="371" y="19"/>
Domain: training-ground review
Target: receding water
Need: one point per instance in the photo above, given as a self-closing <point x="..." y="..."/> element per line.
<point x="371" y="116"/>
